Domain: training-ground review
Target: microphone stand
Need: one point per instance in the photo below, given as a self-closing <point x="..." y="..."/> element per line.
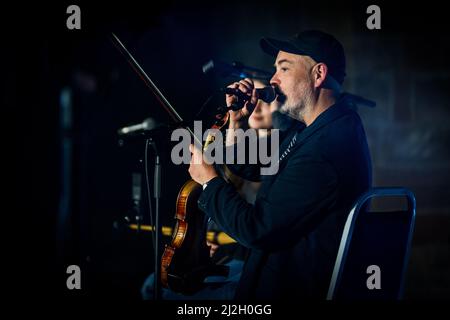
<point x="157" y="234"/>
<point x="157" y="196"/>
<point x="157" y="230"/>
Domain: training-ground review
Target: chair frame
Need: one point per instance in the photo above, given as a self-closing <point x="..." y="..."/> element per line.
<point x="349" y="227"/>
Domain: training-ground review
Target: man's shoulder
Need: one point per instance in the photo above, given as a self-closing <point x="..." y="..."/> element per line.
<point x="347" y="125"/>
<point x="345" y="129"/>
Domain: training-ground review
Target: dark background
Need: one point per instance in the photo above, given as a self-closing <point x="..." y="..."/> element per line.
<point x="75" y="207"/>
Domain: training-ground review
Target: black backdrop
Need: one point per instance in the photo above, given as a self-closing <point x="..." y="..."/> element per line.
<point x="404" y="67"/>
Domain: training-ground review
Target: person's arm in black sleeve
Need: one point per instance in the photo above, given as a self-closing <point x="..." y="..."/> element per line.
<point x="297" y="200"/>
<point x="246" y="171"/>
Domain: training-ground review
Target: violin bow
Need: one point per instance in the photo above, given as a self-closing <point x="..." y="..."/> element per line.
<point x="150" y="84"/>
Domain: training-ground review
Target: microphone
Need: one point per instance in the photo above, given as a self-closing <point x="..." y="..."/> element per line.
<point x="266" y="94"/>
<point x="147" y="125"/>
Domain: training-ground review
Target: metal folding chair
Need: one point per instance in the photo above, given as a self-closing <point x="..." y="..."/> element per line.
<point x="374" y="250"/>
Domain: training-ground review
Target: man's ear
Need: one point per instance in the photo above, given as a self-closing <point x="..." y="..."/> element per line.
<point x="320" y="72"/>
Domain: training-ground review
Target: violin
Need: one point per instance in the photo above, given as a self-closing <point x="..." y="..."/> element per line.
<point x="182" y="268"/>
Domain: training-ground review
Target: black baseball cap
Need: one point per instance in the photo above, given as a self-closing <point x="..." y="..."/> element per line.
<point x="320" y="46"/>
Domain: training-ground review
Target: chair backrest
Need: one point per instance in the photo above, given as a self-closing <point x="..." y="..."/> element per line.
<point x="374" y="250"/>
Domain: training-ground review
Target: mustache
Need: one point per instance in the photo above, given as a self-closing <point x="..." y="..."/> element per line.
<point x="280" y="96"/>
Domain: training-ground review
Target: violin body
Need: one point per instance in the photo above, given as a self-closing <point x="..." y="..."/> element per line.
<point x="182" y="268"/>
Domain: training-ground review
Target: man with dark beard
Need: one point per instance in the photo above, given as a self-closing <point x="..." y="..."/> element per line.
<point x="294" y="227"/>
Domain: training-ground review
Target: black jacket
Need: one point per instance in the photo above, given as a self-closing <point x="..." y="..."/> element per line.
<point x="294" y="228"/>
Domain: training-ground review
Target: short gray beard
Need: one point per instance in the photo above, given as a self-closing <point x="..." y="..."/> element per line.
<point x="298" y="110"/>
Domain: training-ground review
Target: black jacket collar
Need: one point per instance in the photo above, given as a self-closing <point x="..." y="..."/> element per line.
<point x="332" y="113"/>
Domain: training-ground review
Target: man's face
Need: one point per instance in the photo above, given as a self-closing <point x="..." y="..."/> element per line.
<point x="293" y="78"/>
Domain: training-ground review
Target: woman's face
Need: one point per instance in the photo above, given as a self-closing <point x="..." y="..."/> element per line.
<point x="261" y="117"/>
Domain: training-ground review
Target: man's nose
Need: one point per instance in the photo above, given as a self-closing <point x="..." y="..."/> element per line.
<point x="274" y="81"/>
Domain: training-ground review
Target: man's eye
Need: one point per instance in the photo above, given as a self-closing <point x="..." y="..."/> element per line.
<point x="284" y="69"/>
